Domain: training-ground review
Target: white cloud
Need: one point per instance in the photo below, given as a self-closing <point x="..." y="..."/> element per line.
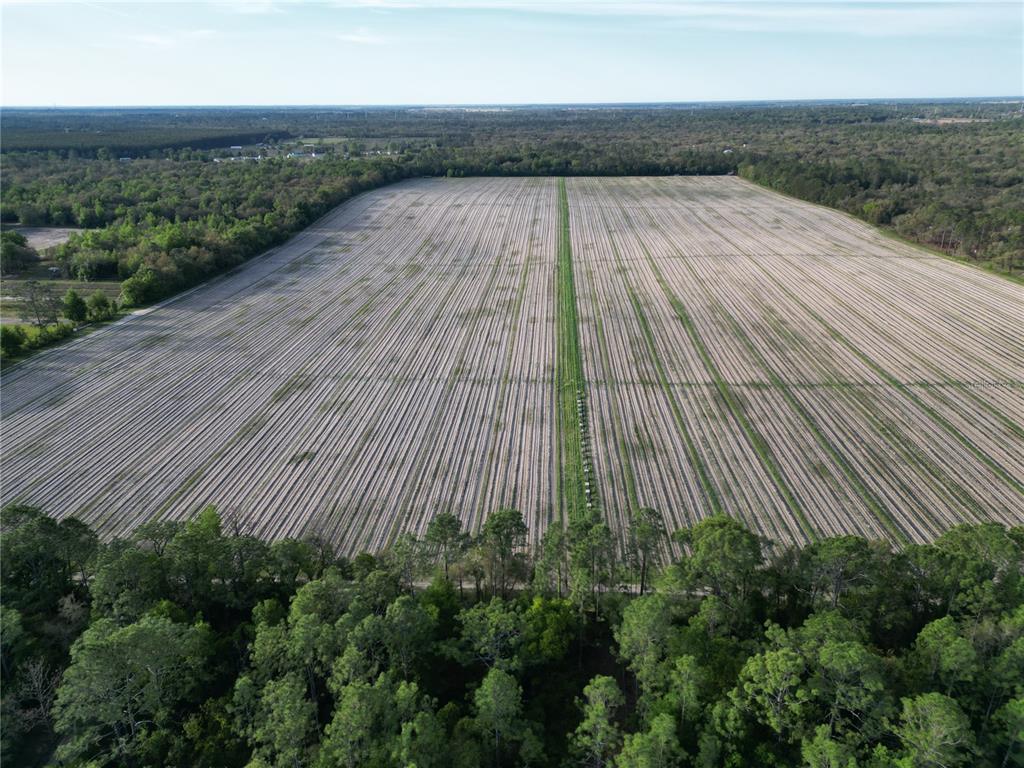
<point x="155" y="41"/>
<point x="913" y="17"/>
<point x="867" y="17"/>
<point x="171" y="38"/>
<point x="251" y="7"/>
<point x="361" y="36"/>
<point x="664" y="7"/>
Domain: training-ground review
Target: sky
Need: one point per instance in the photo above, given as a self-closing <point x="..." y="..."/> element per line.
<point x="504" y="51"/>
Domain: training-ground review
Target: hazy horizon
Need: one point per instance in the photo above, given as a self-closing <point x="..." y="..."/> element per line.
<point x="495" y="106"/>
<point x="506" y="53"/>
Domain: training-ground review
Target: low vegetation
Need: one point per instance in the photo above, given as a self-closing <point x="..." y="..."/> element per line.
<point x="577" y="492"/>
<point x="196" y="644"/>
<point x="51" y="318"/>
<point x="15" y="253"/>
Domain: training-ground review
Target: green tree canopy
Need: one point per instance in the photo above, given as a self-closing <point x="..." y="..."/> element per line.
<point x="124" y="683"/>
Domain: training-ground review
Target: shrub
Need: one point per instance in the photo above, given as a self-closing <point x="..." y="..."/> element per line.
<point x="15" y="253"/>
<point x="74" y="307"/>
<point x="99" y="307"/>
<point x="12" y="340"/>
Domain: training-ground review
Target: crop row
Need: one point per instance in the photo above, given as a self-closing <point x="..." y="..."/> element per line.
<point x="780" y="307"/>
<point x="395" y="361"/>
<point x="690" y="344"/>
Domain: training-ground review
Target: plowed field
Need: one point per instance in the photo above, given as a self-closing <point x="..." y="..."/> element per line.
<point x="693" y="345"/>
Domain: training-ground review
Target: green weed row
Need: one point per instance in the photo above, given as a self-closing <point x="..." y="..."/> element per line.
<point x="577" y="487"/>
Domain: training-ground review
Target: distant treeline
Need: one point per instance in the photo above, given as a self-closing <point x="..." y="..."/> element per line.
<point x="88" y="132"/>
<point x="197" y="645"/>
<point x="108" y="143"/>
<point x="172" y="217"/>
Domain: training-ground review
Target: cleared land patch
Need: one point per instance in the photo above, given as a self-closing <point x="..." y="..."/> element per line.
<point x="688" y="344"/>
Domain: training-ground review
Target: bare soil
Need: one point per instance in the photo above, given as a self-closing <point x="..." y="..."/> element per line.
<point x="742" y="351"/>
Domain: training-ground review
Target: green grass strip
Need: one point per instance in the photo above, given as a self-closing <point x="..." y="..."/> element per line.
<point x="569" y="380"/>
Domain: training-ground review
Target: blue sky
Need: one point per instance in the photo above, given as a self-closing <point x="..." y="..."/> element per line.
<point x="519" y="51"/>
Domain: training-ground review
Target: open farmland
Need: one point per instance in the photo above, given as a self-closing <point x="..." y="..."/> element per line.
<point x="789" y="366"/>
<point x="688" y="344"/>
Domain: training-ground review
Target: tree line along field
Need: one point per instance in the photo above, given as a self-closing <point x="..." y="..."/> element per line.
<point x="183" y="206"/>
<point x="693" y="345"/>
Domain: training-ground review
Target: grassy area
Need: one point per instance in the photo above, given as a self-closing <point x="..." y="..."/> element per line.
<point x="37" y="338"/>
<point x="11" y="288"/>
<point x="941" y="420"/>
<point x="574" y="468"/>
<point x="15" y="313"/>
<point x="11" y="306"/>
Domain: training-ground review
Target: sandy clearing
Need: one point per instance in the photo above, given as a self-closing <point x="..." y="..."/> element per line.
<point x="42" y="238"/>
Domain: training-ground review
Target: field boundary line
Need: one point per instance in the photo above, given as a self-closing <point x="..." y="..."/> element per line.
<point x="961" y="386"/>
<point x="943" y="484"/>
<point x="887" y="377"/>
<point x="577" y="489"/>
<point x="867" y="495"/>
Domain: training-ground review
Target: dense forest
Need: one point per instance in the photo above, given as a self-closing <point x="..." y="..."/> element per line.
<point x="195" y="644"/>
<point x="173" y="197"/>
